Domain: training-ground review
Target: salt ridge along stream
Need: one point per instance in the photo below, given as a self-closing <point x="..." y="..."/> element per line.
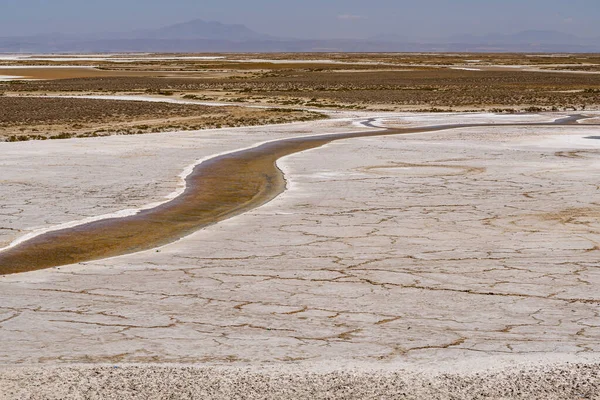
<point x="217" y="189"/>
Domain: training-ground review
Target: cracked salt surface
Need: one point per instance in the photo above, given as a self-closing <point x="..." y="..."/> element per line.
<point x="487" y="255"/>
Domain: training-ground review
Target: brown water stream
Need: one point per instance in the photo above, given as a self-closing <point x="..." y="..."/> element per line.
<point x="217" y="189"/>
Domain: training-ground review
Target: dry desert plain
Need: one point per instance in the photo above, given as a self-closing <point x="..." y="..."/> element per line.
<point x="459" y="263"/>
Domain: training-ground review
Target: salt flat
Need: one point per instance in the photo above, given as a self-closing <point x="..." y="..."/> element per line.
<point x="8" y="78"/>
<point x="449" y="251"/>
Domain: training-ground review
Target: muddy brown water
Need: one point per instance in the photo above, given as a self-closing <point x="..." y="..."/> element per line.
<point x="217" y="189"/>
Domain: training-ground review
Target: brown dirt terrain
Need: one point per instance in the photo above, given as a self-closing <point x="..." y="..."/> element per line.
<point x="25" y="118"/>
<point x="435" y="58"/>
<point x="53" y="73"/>
<point x="369" y="58"/>
<point x="385" y="82"/>
<point x="416" y="87"/>
<point x="436" y="88"/>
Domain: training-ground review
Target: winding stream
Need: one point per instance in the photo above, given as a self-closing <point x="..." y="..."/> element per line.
<point x="217" y="189"/>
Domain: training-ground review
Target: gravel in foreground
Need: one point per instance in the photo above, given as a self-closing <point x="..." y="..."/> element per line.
<point x="567" y="381"/>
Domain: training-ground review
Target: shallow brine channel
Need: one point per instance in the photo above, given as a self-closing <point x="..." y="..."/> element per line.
<point x="217" y="189"/>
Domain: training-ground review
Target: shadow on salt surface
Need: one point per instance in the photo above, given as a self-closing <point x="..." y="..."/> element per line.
<point x="592" y="137"/>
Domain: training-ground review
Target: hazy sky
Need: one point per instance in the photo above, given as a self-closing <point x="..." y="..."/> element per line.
<point x="307" y="18"/>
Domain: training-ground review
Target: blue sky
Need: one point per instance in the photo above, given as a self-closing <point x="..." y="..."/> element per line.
<point x="307" y="18"/>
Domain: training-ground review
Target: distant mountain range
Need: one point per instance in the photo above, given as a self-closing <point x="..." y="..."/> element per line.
<point x="199" y="29"/>
<point x="203" y="36"/>
<point x="526" y="37"/>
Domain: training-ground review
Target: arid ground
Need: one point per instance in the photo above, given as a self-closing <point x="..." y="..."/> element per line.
<point x="30" y="118"/>
<point x="460" y="263"/>
<point x="384" y="82"/>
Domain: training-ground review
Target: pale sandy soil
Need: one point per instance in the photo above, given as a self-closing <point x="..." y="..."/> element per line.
<point x="8" y="78"/>
<point x="560" y="68"/>
<point x="549" y="382"/>
<point x="419" y="255"/>
<point x="74" y="72"/>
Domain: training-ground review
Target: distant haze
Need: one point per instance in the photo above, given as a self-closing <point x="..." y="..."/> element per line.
<point x="308" y="19"/>
<point x="69" y="26"/>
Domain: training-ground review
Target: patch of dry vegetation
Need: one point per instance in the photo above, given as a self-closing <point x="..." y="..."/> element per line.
<point x="386" y="81"/>
<point x="27" y="118"/>
<point x="437" y="88"/>
<point x="434" y="58"/>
